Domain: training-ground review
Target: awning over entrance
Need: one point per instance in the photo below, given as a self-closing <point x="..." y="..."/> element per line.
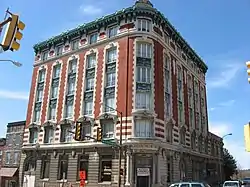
<point x="7" y="172"/>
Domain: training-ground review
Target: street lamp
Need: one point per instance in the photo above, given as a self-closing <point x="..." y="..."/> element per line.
<point x="120" y="143"/>
<point x="229" y="134"/>
<point x="17" y="64"/>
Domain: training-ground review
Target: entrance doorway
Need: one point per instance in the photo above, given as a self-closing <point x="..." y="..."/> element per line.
<point x="142" y="181"/>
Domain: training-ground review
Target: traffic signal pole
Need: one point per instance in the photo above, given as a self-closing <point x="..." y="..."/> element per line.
<point x="5" y="21"/>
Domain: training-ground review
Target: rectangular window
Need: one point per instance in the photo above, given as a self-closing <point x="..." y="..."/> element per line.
<point x="110" y="104"/>
<point x="168" y="105"/>
<point x="39" y="95"/>
<point x="45" y="55"/>
<point x="190" y="98"/>
<point x="111" y="55"/>
<point x="143" y="100"/>
<point x="59" y="50"/>
<point x="180" y="112"/>
<point x="111" y="79"/>
<point x="56" y="71"/>
<point x="108" y="130"/>
<point x="16" y="157"/>
<point x="91" y="61"/>
<point x="45" y="167"/>
<point x="143" y="74"/>
<point x="54" y="91"/>
<point x="18" y="139"/>
<point x="143" y="128"/>
<point x="191" y="117"/>
<point x="63" y="167"/>
<point x="144" y="50"/>
<point x="71" y="86"/>
<point x="69" y="110"/>
<point x="75" y="45"/>
<point x="33" y="135"/>
<point x="41" y="76"/>
<point x="7" y="161"/>
<point x="197" y="119"/>
<point x="179" y="90"/>
<point x="112" y="32"/>
<point x="87" y="130"/>
<point x="83" y="165"/>
<point x="105" y="168"/>
<point x="72" y="66"/>
<point x="66" y="135"/>
<point x="169" y="134"/>
<point x="93" y="38"/>
<point x="88" y="108"/>
<point x="37" y="114"/>
<point x="49" y="134"/>
<point x="144" y="25"/>
<point x="90" y="83"/>
<point x="52" y="112"/>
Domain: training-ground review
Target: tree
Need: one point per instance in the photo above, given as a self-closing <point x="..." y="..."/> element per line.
<point x="230" y="164"/>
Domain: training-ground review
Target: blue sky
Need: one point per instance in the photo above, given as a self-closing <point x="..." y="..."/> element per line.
<point x="217" y="30"/>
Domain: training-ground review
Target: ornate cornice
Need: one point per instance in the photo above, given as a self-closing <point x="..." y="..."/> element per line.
<point x="130" y="13"/>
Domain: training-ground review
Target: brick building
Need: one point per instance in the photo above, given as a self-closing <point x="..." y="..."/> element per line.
<point x="133" y="61"/>
<point x="11" y="156"/>
<point x="2" y="149"/>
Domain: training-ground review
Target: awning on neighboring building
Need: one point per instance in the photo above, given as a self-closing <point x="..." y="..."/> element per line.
<point x="7" y="172"/>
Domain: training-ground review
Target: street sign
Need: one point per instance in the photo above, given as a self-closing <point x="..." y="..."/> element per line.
<point x="109" y="142"/>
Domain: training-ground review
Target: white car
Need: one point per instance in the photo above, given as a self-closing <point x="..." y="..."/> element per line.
<point x="189" y="184"/>
<point x="233" y="184"/>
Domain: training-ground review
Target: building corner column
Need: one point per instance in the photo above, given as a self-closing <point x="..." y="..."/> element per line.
<point x="128" y="170"/>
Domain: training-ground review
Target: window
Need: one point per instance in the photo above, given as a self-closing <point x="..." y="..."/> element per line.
<point x="75" y="44"/>
<point x="91" y="61"/>
<point x="143" y="74"/>
<point x="169" y="170"/>
<point x="16" y="157"/>
<point x="93" y="38"/>
<point x="108" y="129"/>
<point x="54" y="91"/>
<point x="168" y="105"/>
<point x="59" y="50"/>
<point x="52" y="111"/>
<point x="45" y="55"/>
<point x="169" y="134"/>
<point x="144" y="25"/>
<point x="88" y="108"/>
<point x="166" y="38"/>
<point x="110" y="105"/>
<point x="144" y="50"/>
<point x="33" y="135"/>
<point x="71" y="86"/>
<point x="111" y="79"/>
<point x="191" y="117"/>
<point x="7" y="161"/>
<point x="87" y="130"/>
<point x="69" y="110"/>
<point x="18" y="139"/>
<point x="112" y="55"/>
<point x="66" y="135"/>
<point x="83" y="165"/>
<point x="41" y="76"/>
<point x="72" y="66"/>
<point x="183" y="136"/>
<point x="197" y="119"/>
<point x="179" y="84"/>
<point x="90" y="84"/>
<point x="62" y="167"/>
<point x="143" y="100"/>
<point x="180" y="112"/>
<point x="112" y="32"/>
<point x="193" y="141"/>
<point x="143" y="128"/>
<point x="45" y="167"/>
<point x="105" y="168"/>
<point x="39" y="95"/>
<point x="49" y="134"/>
<point x="56" y="71"/>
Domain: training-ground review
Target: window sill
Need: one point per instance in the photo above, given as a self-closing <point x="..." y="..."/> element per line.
<point x="104" y="183"/>
<point x="45" y="180"/>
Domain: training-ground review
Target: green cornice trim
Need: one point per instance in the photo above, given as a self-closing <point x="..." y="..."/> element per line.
<point x="115" y="18"/>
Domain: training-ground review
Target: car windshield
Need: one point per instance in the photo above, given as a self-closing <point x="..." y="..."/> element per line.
<point x="231" y="184"/>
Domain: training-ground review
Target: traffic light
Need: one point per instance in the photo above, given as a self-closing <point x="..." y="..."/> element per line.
<point x="99" y="134"/>
<point x="13" y="34"/>
<point x="78" y="131"/>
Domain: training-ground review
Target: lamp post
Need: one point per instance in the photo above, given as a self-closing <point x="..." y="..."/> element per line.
<point x="17" y="64"/>
<point x="120" y="143"/>
<point x="229" y="134"/>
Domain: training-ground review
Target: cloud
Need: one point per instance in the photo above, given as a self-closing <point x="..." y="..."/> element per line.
<point x="236" y="148"/>
<point x="91" y="10"/>
<point x="14" y="95"/>
<point x="224" y="77"/>
<point x="223" y="104"/>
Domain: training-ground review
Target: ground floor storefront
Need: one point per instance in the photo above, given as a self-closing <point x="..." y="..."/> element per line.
<point x="9" y="177"/>
<point x="144" y="164"/>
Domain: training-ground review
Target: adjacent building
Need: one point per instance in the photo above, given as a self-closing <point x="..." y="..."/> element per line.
<point x="132" y="62"/>
<point x="9" y="172"/>
<point x="2" y="149"/>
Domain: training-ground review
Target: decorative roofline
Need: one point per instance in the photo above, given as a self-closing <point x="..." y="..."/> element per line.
<point x="130" y="14"/>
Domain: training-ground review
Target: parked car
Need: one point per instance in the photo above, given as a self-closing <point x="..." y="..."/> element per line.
<point x="189" y="184"/>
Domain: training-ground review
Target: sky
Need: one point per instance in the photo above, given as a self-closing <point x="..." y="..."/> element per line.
<point x="219" y="31"/>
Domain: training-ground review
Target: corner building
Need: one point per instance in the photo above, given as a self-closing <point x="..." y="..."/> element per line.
<point x="135" y="62"/>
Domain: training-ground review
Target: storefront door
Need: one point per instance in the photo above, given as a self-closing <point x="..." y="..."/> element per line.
<point x="142" y="181"/>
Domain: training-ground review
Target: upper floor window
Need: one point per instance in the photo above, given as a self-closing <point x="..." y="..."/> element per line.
<point x="88" y="108"/>
<point x="7" y="161"/>
<point x="72" y="66"/>
<point x="56" y="71"/>
<point x="39" y="95"/>
<point x="112" y="32"/>
<point x="54" y="91"/>
<point x="143" y="128"/>
<point x="110" y="104"/>
<point x="143" y="74"/>
<point x="169" y="134"/>
<point x="91" y="61"/>
<point x="49" y="134"/>
<point x="45" y="55"/>
<point x="16" y="157"/>
<point x="112" y="55"/>
<point x="59" y="50"/>
<point x="41" y="76"/>
<point x="111" y="79"/>
<point x="144" y="25"/>
<point x="179" y="83"/>
<point x="69" y="110"/>
<point x="142" y="100"/>
<point x="93" y="38"/>
<point x="71" y="86"/>
<point x="167" y="74"/>
<point x="144" y="50"/>
<point x="33" y="135"/>
<point x="90" y="83"/>
<point x="108" y="130"/>
<point x="75" y="44"/>
<point x="66" y="135"/>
